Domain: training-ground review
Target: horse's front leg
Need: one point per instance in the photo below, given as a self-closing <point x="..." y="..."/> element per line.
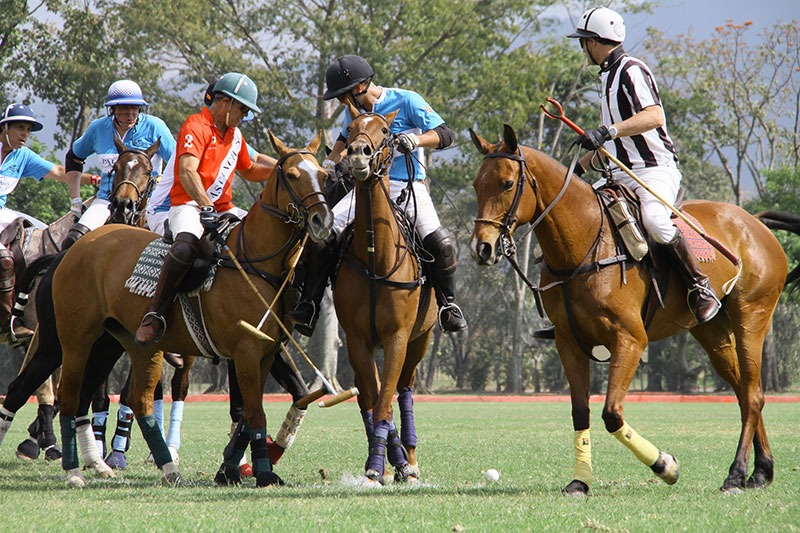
<point x="180" y="388"/>
<point x="251" y="374"/>
<point x="576" y="368"/>
<point x="625" y="354"/>
<point x="145" y="375"/>
<point x="365" y="377"/>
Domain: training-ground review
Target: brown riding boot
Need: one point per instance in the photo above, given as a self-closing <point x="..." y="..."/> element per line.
<point x="77" y="231"/>
<point x="176" y="265"/>
<point x="702" y="300"/>
<point x="11" y="327"/>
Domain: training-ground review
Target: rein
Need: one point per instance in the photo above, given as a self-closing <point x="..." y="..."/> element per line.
<point x="141" y="195"/>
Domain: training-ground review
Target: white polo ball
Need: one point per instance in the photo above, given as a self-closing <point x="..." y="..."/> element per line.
<point x="491" y="475"/>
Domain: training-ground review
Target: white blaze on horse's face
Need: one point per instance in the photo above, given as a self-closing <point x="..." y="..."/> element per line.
<point x="311" y="170"/>
<point x="359" y="152"/>
<point x="131" y="164"/>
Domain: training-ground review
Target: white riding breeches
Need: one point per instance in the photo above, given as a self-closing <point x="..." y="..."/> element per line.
<point x="664" y="181"/>
<point x="96" y="214"/>
<point x="9" y="215"/>
<point x="427" y="219"/>
<point x="184" y="218"/>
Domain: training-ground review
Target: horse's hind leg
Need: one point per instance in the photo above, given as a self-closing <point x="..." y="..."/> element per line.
<point x="288" y="378"/>
<point x="735" y="353"/>
<point x="180" y="389"/>
<point x="576" y="368"/>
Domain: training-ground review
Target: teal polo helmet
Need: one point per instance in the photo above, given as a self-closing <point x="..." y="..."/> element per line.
<point x="239" y="87"/>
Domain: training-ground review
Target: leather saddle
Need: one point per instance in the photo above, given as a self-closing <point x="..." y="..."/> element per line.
<point x="13" y="238"/>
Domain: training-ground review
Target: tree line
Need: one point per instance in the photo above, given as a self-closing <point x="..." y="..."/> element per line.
<point x="732" y="103"/>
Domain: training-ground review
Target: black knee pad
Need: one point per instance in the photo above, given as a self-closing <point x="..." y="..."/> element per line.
<point x="183" y="251"/>
<point x="441" y="244"/>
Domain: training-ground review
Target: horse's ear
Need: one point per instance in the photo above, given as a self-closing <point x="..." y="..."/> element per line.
<point x="119" y="145"/>
<point x="510" y="138"/>
<point x="480" y="143"/>
<point x="153" y="148"/>
<point x="277" y="144"/>
<point x="353" y="110"/>
<point x="313" y="146"/>
<point x="390" y="117"/>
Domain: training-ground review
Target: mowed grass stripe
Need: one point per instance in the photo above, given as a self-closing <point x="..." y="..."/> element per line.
<point x="529" y="444"/>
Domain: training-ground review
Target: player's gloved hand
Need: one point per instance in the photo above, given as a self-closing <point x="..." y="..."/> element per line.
<point x="77" y="207"/>
<point x="594" y="139"/>
<point x="209" y="218"/>
<point x="406" y="142"/>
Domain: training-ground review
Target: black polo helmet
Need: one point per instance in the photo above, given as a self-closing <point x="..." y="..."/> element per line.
<point x="344" y="73"/>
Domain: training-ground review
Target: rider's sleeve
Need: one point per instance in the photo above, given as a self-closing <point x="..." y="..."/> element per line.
<point x="639" y="87"/>
<point x="84" y="146"/>
<point x="167" y="141"/>
<point x="35" y="166"/>
<point x="346" y="118"/>
<point x="421" y="114"/>
<point x="193" y="138"/>
<point x="244" y="161"/>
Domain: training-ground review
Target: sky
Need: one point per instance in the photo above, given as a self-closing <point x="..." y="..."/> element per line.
<point x="672" y="17"/>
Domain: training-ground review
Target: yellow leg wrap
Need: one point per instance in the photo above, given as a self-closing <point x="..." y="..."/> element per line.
<point x="641" y="447"/>
<point x="583" y="457"/>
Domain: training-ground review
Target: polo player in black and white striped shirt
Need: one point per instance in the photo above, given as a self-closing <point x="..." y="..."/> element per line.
<point x="634" y="130"/>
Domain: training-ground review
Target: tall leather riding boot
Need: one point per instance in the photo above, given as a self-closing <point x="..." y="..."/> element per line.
<point x="77" y="231"/>
<point x="702" y="300"/>
<point x="15" y="327"/>
<point x="176" y="265"/>
<point x="316" y="262"/>
<point x="443" y="271"/>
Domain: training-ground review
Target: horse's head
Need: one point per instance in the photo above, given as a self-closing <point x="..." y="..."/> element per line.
<point x="132" y="182"/>
<point x="369" y="144"/>
<point x="502" y="196"/>
<point x="301" y="187"/>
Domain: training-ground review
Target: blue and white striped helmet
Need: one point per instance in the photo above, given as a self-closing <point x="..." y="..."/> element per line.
<point x="124" y="92"/>
<point x="20" y="113"/>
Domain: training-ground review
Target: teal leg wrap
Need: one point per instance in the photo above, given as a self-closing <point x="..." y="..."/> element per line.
<point x="155" y="440"/>
<point x="69" y="443"/>
<point x="258" y="447"/>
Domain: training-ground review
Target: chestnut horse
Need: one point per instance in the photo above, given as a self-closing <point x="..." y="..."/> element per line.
<point x="380" y="301"/>
<point x="93" y="307"/>
<point x="516" y="185"/>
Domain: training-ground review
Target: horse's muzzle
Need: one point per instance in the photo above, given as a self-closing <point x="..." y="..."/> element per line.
<point x="121" y="211"/>
<point x="320" y="224"/>
<point x="484" y="253"/>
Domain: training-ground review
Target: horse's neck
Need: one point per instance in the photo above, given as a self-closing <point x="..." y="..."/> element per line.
<point x="262" y="235"/>
<point x="387" y="236"/>
<point x="571" y="227"/>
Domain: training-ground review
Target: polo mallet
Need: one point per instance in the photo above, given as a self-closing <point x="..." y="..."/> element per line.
<point x="338" y="397"/>
<point x="733" y="258"/>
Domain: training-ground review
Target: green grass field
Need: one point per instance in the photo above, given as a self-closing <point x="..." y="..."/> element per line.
<point x="529" y="443"/>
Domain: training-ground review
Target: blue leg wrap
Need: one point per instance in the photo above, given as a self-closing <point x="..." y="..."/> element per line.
<point x="155" y="440"/>
<point x="69" y="443"/>
<point x="122" y="435"/>
<point x="158" y="412"/>
<point x="175" y="419"/>
<point x="408" y="432"/>
<point x="394" y="450"/>
<point x="377" y="447"/>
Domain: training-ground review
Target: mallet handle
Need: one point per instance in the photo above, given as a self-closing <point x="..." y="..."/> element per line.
<point x="339" y="398"/>
<point x="314" y="396"/>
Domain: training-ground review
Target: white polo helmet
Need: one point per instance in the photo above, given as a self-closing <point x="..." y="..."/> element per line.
<point x="125" y="92"/>
<point x="601" y="22"/>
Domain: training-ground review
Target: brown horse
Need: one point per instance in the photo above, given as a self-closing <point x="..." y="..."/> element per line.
<point x="599" y="307"/>
<point x="92" y="305"/>
<point x="380" y="302"/>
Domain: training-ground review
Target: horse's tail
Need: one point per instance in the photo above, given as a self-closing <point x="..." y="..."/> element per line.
<point x="32" y="272"/>
<point x="787" y="222"/>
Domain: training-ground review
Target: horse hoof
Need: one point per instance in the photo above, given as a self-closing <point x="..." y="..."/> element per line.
<point x="173" y="453"/>
<point x="28" y="450"/>
<point x="267" y="479"/>
<point x="758" y="480"/>
<point x="116" y="459"/>
<point x="53" y="453"/>
<point x="667" y="468"/>
<point x="170" y="475"/>
<point x="730" y="490"/>
<point x="150" y="460"/>
<point x="75" y="479"/>
<point x="576" y="488"/>
<point x="227" y="475"/>
<point x="406" y="474"/>
<point x="101" y="469"/>
<point x="374" y="477"/>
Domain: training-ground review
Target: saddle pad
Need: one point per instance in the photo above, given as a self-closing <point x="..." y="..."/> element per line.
<point x="702" y="249"/>
<point x="145" y="274"/>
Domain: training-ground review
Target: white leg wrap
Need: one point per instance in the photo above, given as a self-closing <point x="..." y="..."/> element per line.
<point x="90" y="455"/>
<point x="6" y="418"/>
<point x="288" y="431"/>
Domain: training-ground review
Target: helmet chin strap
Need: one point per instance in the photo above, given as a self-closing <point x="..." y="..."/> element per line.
<point x="228" y="113"/>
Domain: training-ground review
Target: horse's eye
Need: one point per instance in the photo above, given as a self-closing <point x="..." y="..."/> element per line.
<point x="507" y="185"/>
<point x="385" y="131"/>
<point x="348" y="127"/>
